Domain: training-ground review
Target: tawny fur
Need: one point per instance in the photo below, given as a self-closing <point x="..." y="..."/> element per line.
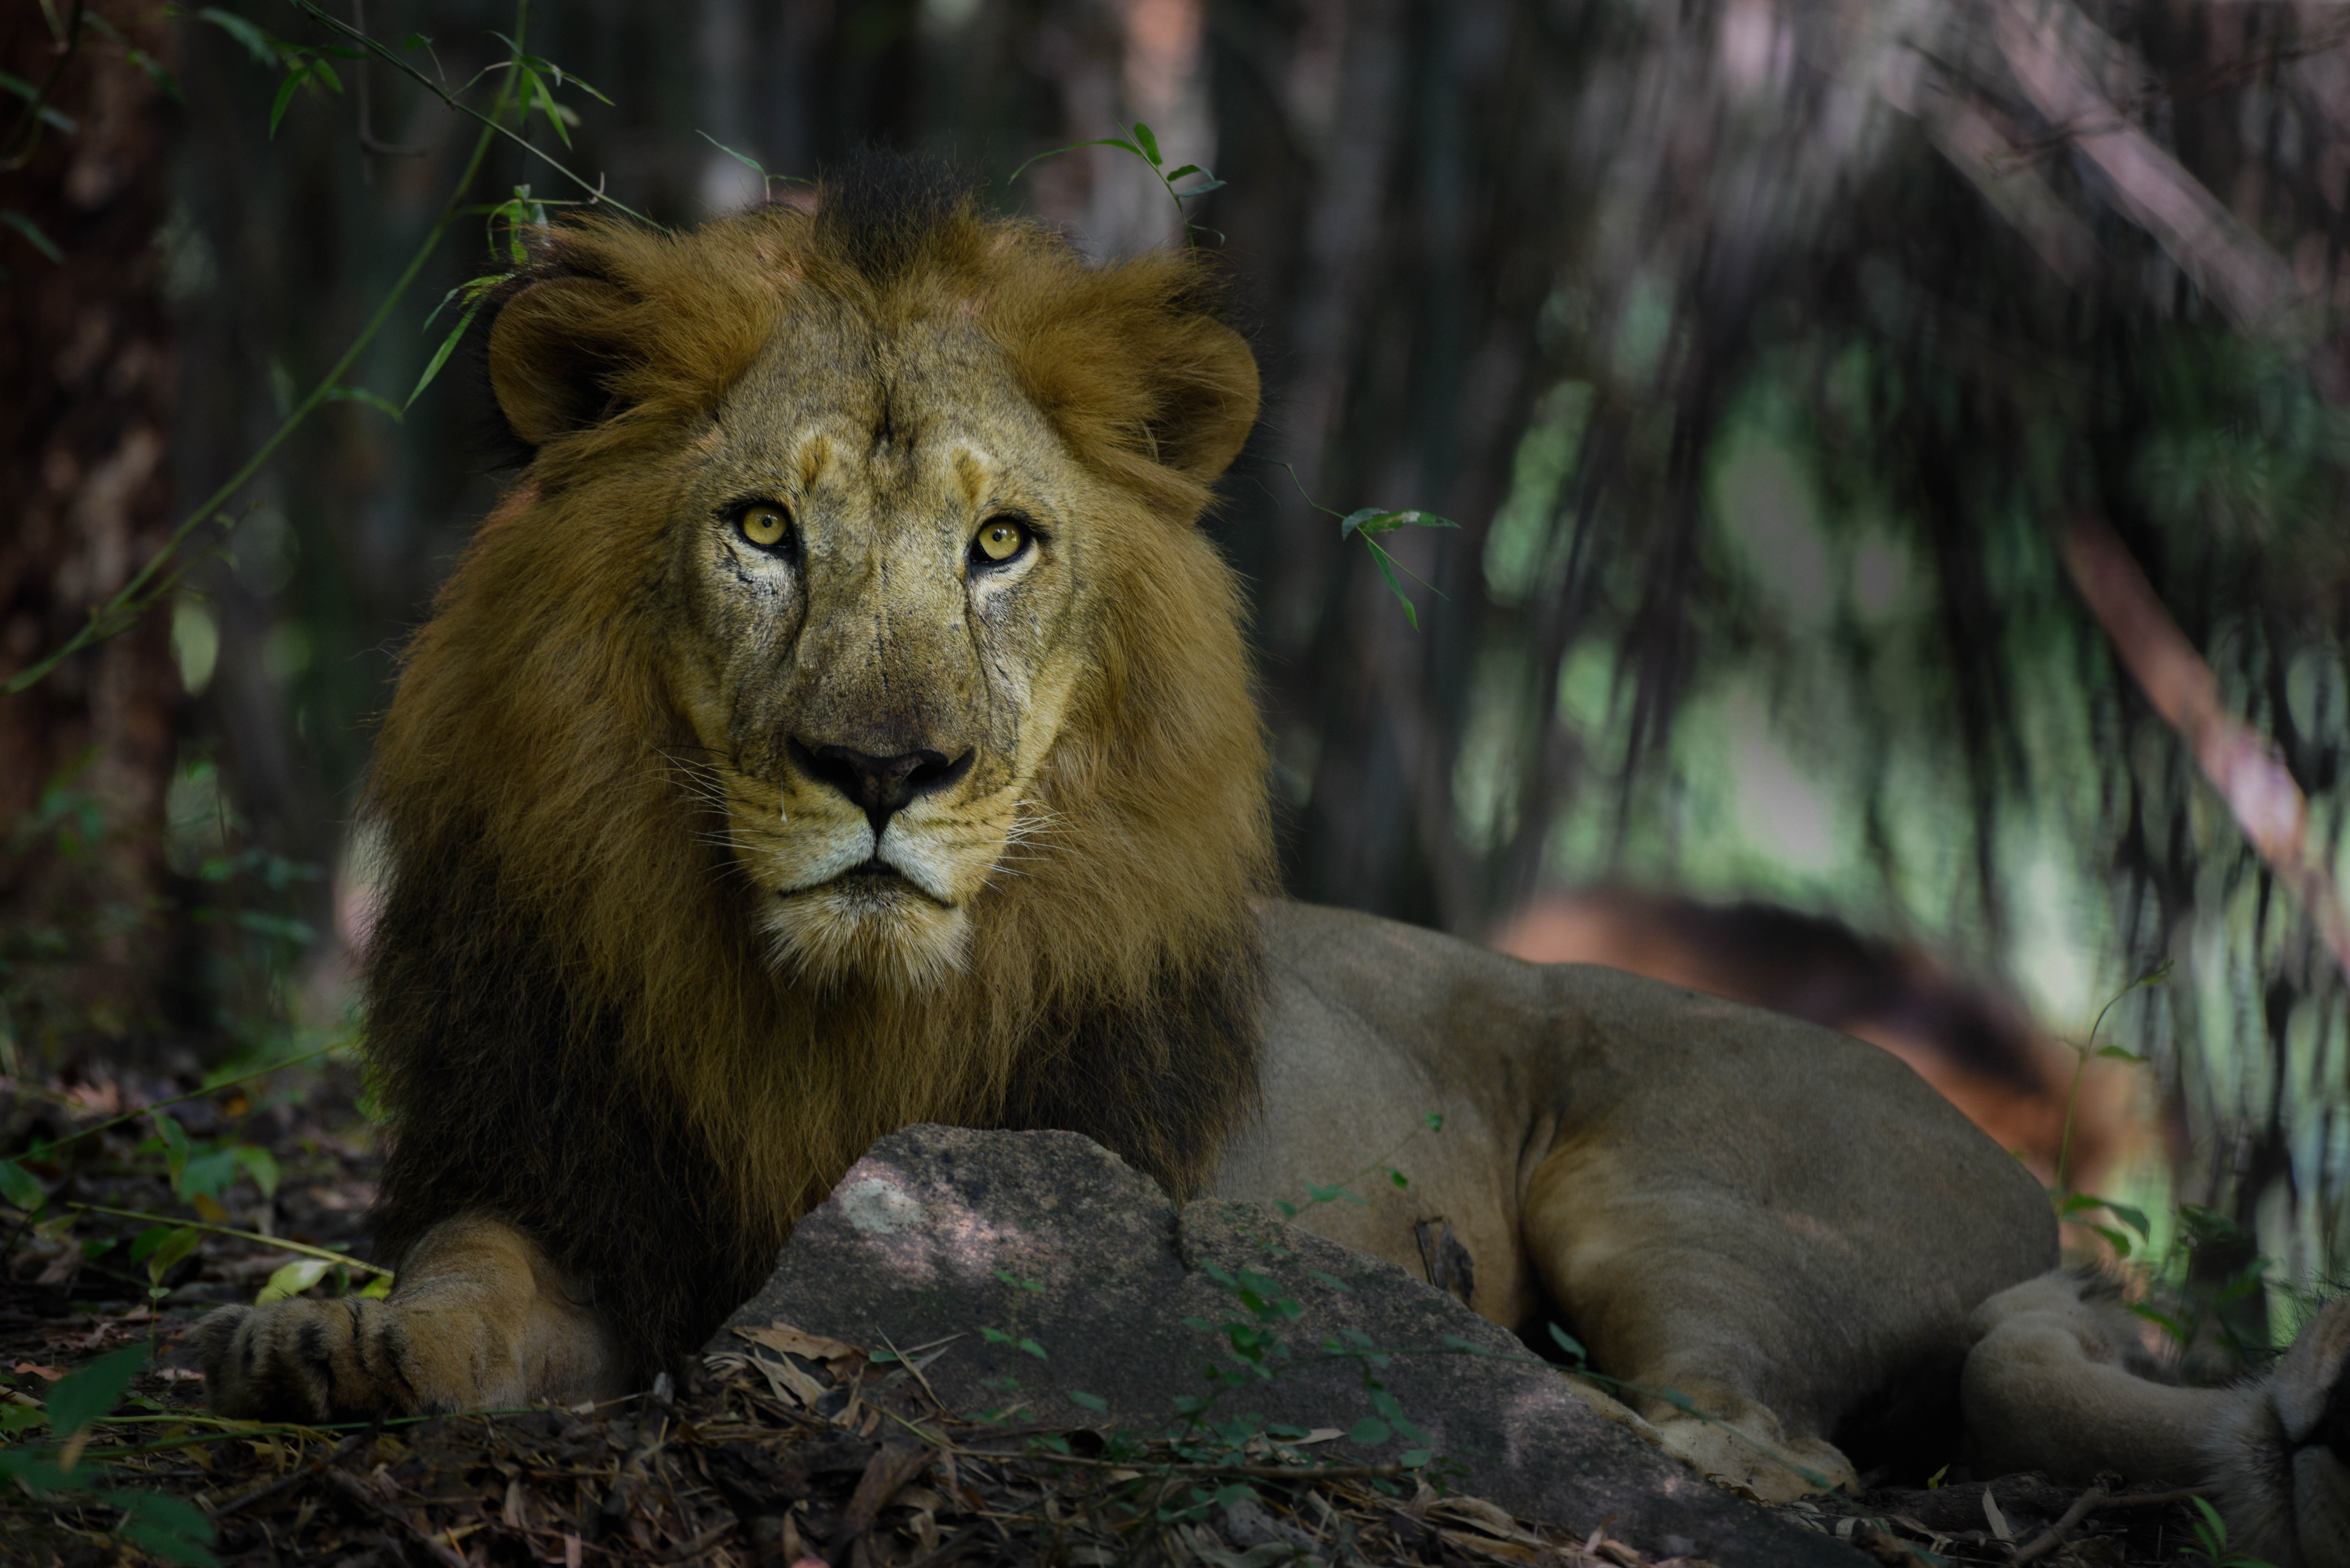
<point x="558" y="879"/>
<point x="650" y="976"/>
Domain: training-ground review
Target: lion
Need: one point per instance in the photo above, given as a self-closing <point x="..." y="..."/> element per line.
<point x="844" y="722"/>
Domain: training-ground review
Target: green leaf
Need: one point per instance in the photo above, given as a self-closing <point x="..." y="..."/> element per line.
<point x="1187" y="169"/>
<point x="2116" y="1054"/>
<point x="1353" y="520"/>
<point x="170" y="1528"/>
<point x="440" y="358"/>
<point x="262" y="1165"/>
<point x="1201" y="189"/>
<point x="1093" y="1402"/>
<point x="1369" y="1432"/>
<point x="1569" y="1344"/>
<point x="170" y="1251"/>
<point x="1399" y="1178"/>
<point x="31" y="94"/>
<point x="378" y="1287"/>
<point x="15" y="1418"/>
<point x="33" y="234"/>
<point x="1412" y="1459"/>
<point x="262" y="46"/>
<point x="1035" y="1349"/>
<point x="165" y="83"/>
<point x="1387" y="570"/>
<point x="361" y="395"/>
<point x="21" y="1187"/>
<point x="294" y="74"/>
<point x="1150" y="142"/>
<point x="89" y="1391"/>
<point x="292" y="1280"/>
<point x="744" y="159"/>
<point x="206" y="1174"/>
<point x="176" y="1146"/>
<point x="1433" y="1119"/>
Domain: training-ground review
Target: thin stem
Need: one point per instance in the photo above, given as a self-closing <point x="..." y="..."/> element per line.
<point x="277" y="1241"/>
<point x="124" y="608"/>
<point x="391" y="58"/>
<point x="191" y="1095"/>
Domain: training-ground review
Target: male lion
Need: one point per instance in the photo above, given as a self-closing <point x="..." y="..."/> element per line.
<point x="844" y="723"/>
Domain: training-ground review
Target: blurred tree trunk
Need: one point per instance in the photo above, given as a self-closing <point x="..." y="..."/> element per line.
<point x="1394" y="214"/>
<point x="85" y="756"/>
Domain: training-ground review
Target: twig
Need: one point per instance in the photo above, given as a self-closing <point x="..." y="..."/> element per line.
<point x="191" y="1094"/>
<point x="295" y="1477"/>
<point x="123" y="610"/>
<point x="2048" y="1540"/>
<point x="2242" y="765"/>
<point x="26" y="135"/>
<point x="489" y="121"/>
<point x="1254" y="1472"/>
<point x="280" y="1243"/>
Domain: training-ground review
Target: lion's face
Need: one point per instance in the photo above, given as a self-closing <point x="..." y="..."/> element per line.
<point x="877" y="537"/>
<point x="885" y="555"/>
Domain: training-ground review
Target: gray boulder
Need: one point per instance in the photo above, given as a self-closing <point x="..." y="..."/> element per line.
<point x="1142" y="1309"/>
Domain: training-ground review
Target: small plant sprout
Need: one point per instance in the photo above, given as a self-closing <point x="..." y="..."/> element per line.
<point x="1344" y="1192"/>
<point x="2210" y="1544"/>
<point x="1144" y="145"/>
<point x="1367" y="523"/>
<point x="2070" y="1205"/>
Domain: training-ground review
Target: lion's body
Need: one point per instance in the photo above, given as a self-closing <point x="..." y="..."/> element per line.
<point x="844" y="723"/>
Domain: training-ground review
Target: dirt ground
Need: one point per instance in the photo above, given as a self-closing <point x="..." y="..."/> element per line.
<point x="848" y="1465"/>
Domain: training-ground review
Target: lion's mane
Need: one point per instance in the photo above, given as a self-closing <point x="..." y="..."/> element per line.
<point x="572" y="1023"/>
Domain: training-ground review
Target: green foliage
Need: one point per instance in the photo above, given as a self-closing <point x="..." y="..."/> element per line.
<point x="165" y="1527"/>
<point x="1144" y="145"/>
<point x="1367" y="523"/>
<point x="2211" y="1540"/>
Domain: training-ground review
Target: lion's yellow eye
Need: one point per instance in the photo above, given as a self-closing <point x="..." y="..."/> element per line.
<point x="766" y="525"/>
<point x="1001" y="539"/>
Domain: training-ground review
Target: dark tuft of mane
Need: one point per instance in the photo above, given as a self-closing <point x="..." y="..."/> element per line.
<point x="877" y="208"/>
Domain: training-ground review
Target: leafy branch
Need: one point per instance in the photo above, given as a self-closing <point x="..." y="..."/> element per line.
<point x="1145" y="146"/>
<point x="528" y="82"/>
<point x="1369" y="523"/>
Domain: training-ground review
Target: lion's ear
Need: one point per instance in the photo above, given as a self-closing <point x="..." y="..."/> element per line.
<point x="555" y="353"/>
<point x="1205" y="397"/>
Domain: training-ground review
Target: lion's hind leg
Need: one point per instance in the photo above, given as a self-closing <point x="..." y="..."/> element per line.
<point x="481" y="1320"/>
<point x="2055" y="1383"/>
<point x="2279" y="1466"/>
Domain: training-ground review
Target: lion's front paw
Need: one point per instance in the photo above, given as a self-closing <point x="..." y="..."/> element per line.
<point x="2280" y="1467"/>
<point x="308" y="1361"/>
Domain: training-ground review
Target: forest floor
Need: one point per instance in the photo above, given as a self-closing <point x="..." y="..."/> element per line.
<point x="859" y="1472"/>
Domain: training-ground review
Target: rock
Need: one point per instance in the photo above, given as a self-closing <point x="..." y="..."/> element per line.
<point x="1057" y="1246"/>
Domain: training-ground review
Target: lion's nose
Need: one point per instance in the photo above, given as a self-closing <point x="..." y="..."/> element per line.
<point x="881" y="786"/>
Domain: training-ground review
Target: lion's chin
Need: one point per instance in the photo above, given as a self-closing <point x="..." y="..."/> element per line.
<point x="877" y="930"/>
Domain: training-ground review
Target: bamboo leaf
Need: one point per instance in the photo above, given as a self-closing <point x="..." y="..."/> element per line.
<point x="33" y="235"/>
<point x="744" y="159"/>
<point x="262" y="46"/>
<point x="372" y="400"/>
<point x="1150" y="142"/>
<point x="441" y="357"/>
<point x="294" y="75"/>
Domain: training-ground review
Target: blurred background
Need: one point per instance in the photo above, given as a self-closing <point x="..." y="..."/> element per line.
<point x="1898" y="453"/>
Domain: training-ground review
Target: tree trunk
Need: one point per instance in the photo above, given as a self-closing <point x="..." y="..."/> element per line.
<point x="85" y="756"/>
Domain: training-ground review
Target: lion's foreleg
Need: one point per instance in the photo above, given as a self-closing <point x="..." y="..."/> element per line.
<point x="481" y="1319"/>
<point x="2049" y="1386"/>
